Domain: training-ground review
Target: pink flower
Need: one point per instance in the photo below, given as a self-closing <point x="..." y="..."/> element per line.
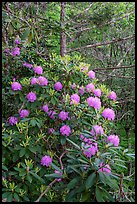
<point x="42" y="81"/>
<point x="97" y="92"/>
<point x="58" y="86"/>
<point x="73" y="86"/>
<point x="114" y="139"/>
<point x="90" y="87"/>
<point x="31" y="96"/>
<point x="12" y="120"/>
<point x="81" y="136"/>
<point x="33" y="80"/>
<point x="51" y="130"/>
<point x="25" y="64"/>
<point x="51" y="114"/>
<point x="108" y="114"/>
<point x="94" y="102"/>
<point x="16" y="51"/>
<point x="75" y="99"/>
<point x="63" y="115"/>
<point x="38" y="70"/>
<point x="16" y="86"/>
<point x="24" y="113"/>
<point x="105" y="168"/>
<point x="90" y="151"/>
<point x="65" y="130"/>
<point x="91" y="74"/>
<point x="46" y="161"/>
<point x="45" y="108"/>
<point x="81" y="90"/>
<point x="112" y="95"/>
<point x="17" y="40"/>
<point x="97" y="130"/>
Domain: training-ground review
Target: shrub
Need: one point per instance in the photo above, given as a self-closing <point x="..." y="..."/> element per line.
<point x="57" y="137"/>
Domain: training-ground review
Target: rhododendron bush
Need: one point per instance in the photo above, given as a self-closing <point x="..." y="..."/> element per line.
<point x="59" y="139"/>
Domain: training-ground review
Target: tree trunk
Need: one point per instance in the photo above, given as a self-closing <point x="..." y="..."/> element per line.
<point x="62" y="33"/>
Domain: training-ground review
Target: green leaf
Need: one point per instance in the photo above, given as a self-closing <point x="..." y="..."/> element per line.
<point x="16" y="197"/>
<point x="56" y="167"/>
<point x="22" y="152"/>
<point x="33" y="149"/>
<point x="99" y="195"/>
<point x="5" y="195"/>
<point x="90" y="180"/>
<point x="22" y="173"/>
<point x="63" y="140"/>
<point x="4" y="168"/>
<point x="33" y="122"/>
<point x="25" y="34"/>
<point x="37" y="177"/>
<point x="53" y="175"/>
<point x="9" y="198"/>
<point x="73" y="183"/>
<point x="29" y="178"/>
<point x="73" y="143"/>
<point x="30" y="37"/>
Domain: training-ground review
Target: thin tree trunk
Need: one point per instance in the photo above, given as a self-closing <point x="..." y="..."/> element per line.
<point x="62" y="33"/>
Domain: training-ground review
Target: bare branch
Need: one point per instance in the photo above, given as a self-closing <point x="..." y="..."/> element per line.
<point x="103" y="43"/>
<point x="122" y="67"/>
<point x="107" y="23"/>
<point x="61" y="165"/>
<point x="79" y="14"/>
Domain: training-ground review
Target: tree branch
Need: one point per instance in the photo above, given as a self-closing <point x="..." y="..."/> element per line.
<point x="103" y="43"/>
<point x="122" y="67"/>
<point x="42" y="194"/>
<point x="79" y="14"/>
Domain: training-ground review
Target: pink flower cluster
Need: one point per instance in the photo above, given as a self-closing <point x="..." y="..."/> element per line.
<point x="75" y="99"/>
<point x="25" y="64"/>
<point x="51" y="130"/>
<point x="63" y="115"/>
<point x="105" y="168"/>
<point x="58" y="86"/>
<point x="90" y="147"/>
<point x="81" y="90"/>
<point x="17" y="41"/>
<point x="51" y="114"/>
<point x="90" y="151"/>
<point x="12" y="120"/>
<point x="91" y="74"/>
<point x="24" y="113"/>
<point x="114" y="139"/>
<point x="16" y="51"/>
<point x="46" y="161"/>
<point x="45" y="108"/>
<point x="38" y="70"/>
<point x="97" y="130"/>
<point x="73" y="86"/>
<point x="112" y="95"/>
<point x="65" y="130"/>
<point x="31" y="97"/>
<point x="40" y="80"/>
<point x="97" y="92"/>
<point x="108" y="114"/>
<point x="90" y="87"/>
<point x="16" y="86"/>
<point x="94" y="102"/>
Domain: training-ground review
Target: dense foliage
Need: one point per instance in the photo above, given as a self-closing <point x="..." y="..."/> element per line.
<point x="63" y="129"/>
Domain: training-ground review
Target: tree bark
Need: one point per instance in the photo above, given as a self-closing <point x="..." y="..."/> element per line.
<point x="62" y="33"/>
